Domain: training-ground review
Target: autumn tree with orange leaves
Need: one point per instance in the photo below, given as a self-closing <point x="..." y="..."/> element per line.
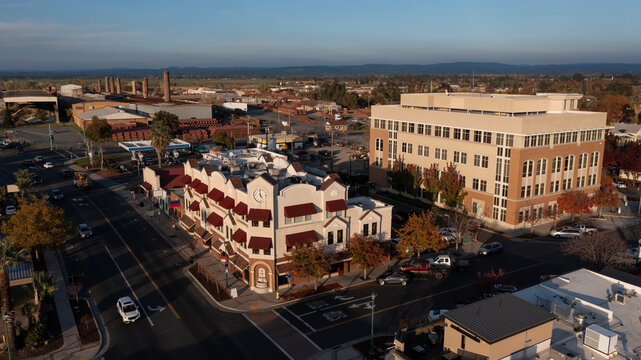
<point x="366" y="253"/>
<point x="575" y="202"/>
<point x="606" y="196"/>
<point x="419" y="234"/>
<point x="431" y="181"/>
<point x="452" y="187"/>
<point x="614" y="105"/>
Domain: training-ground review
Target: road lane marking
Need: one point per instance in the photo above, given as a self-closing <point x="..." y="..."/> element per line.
<point x="299" y="319"/>
<point x="410" y="302"/>
<point x="269" y="338"/>
<point x="300" y="332"/>
<point x="332" y="306"/>
<point x="137" y="260"/>
<point x="129" y="285"/>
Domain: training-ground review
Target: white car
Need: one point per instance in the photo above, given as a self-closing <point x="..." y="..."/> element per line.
<point x="620" y="184"/>
<point x="38" y="158"/>
<point x="127" y="310"/>
<point x="584" y="228"/>
<point x="434" y="315"/>
<point x="48" y="165"/>
<point x="10" y="210"/>
<point x="448" y="234"/>
<point x="84" y="230"/>
<point x="565" y="233"/>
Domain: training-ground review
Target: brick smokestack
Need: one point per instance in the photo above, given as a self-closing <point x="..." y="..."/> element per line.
<point x="133" y="87"/>
<point x="106" y="84"/>
<point x="118" y="86"/>
<point x="99" y="86"/>
<point x="167" y="97"/>
<point x="145" y="88"/>
<point x="112" y="86"/>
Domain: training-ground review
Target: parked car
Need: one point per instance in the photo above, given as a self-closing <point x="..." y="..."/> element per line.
<point x="505" y="288"/>
<point x="84" y="230"/>
<point x="127" y="310"/>
<point x="10" y="210"/>
<point x="423" y="267"/>
<point x="66" y="173"/>
<point x="491" y="248"/>
<point x="565" y="233"/>
<point x="447" y="233"/>
<point x="434" y="315"/>
<point x="620" y="184"/>
<point x="27" y="162"/>
<point x="585" y="227"/>
<point x="37" y="179"/>
<point x="48" y="165"/>
<point x="393" y="278"/>
<point x="56" y="194"/>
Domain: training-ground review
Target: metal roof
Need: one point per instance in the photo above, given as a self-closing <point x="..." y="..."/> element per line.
<point x="20" y="271"/>
<point x="499" y="317"/>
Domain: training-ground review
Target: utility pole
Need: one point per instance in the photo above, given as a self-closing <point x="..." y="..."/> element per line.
<point x="331" y="154"/>
<point x="371" y="337"/>
<point x="50" y="138"/>
<point x="101" y="158"/>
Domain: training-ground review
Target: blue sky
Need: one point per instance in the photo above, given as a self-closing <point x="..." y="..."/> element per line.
<point x="90" y="34"/>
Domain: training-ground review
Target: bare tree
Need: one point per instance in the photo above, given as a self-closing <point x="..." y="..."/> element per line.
<point x="462" y="224"/>
<point x="535" y="216"/>
<point x="597" y="249"/>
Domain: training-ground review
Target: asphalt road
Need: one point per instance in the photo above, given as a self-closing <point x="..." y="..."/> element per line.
<point x="127" y="257"/>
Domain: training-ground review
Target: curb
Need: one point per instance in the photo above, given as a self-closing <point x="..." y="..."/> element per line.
<point x="104" y="338"/>
<point x="326" y="351"/>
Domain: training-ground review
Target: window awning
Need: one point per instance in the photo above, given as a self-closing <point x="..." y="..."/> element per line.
<point x="216" y="195"/>
<point x="241" y="209"/>
<point x="335" y="205"/>
<point x="145" y="185"/>
<point x="227" y="203"/>
<point x="215" y="219"/>
<point x="239" y="236"/>
<point x="187" y="221"/>
<point x="200" y="231"/>
<point x="185" y="180"/>
<point x="207" y="237"/>
<point x="301" y="238"/>
<point x="260" y="243"/>
<point x="284" y="269"/>
<point x="259" y="215"/>
<point x="194" y="206"/>
<point x="201" y="188"/>
<point x="300" y="210"/>
<point x="194" y="184"/>
<point x="241" y="263"/>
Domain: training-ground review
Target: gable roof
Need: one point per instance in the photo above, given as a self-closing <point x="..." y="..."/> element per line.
<point x="499" y="317"/>
<point x="193" y="163"/>
<point x="332" y="220"/>
<point x="326" y="184"/>
<point x="268" y="178"/>
<point x="367" y="213"/>
<point x="297" y="166"/>
<point x="171" y="177"/>
<point x="236" y="182"/>
<point x="208" y="169"/>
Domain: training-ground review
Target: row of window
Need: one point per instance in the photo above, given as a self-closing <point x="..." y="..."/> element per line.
<point x="537" y="213"/>
<point x="479" y="185"/>
<point x="568" y="164"/>
<point x="558" y="185"/>
<point x="562" y="138"/>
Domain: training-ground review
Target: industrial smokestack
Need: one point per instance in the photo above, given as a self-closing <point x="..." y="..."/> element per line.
<point x="167" y="93"/>
<point x="145" y="88"/>
<point x="133" y="87"/>
<point x="118" y="86"/>
<point x="107" y="84"/>
<point x="99" y="86"/>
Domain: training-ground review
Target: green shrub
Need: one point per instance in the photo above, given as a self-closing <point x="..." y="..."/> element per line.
<point x="34" y="334"/>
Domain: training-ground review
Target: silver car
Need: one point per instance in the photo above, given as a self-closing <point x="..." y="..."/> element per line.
<point x="393" y="278"/>
<point x="84" y="230"/>
<point x="565" y="233"/>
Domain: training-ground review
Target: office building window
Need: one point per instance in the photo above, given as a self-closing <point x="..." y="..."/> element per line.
<point x="499" y="139"/>
<point x="567" y="184"/>
<point x="556" y="164"/>
<point x="569" y="163"/>
<point x="374" y="228"/>
<point x="527" y="168"/>
<point x="509" y="140"/>
<point x="403" y="126"/>
<point x="428" y="129"/>
<point x="437" y="131"/>
<point x="526" y="191"/>
<point x="410" y="128"/>
<point x="541" y="165"/>
<point x="477" y="136"/>
<point x="487" y="137"/>
<point x="366" y="229"/>
<point x="583" y="161"/>
<point x="457" y="134"/>
<point x="330" y="238"/>
<point x="594" y="159"/>
<point x="339" y="236"/>
<point x="446" y="132"/>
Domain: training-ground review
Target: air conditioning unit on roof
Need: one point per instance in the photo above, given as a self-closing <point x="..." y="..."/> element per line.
<point x="600" y="339"/>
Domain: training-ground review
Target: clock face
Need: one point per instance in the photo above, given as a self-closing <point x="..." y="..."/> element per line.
<point x="260" y="195"/>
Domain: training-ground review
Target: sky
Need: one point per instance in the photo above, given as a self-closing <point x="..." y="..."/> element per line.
<point x="93" y="34"/>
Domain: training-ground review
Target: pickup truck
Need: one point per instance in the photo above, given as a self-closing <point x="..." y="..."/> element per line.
<point x="449" y="262"/>
<point x="423" y="267"/>
<point x="584" y="228"/>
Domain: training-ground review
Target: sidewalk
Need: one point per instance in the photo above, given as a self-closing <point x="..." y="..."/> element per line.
<point x="72" y="348"/>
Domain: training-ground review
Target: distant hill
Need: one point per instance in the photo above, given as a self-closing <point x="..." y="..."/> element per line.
<point x="366" y="69"/>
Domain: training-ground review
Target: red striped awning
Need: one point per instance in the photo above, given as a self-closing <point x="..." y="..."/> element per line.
<point x="185" y="180"/>
<point x="194" y="206"/>
<point x="215" y="219"/>
<point x="227" y="203"/>
<point x="335" y="205"/>
<point x="201" y="188"/>
<point x="260" y="243"/>
<point x="241" y="209"/>
<point x="300" y="210"/>
<point x="216" y="195"/>
<point x="239" y="236"/>
<point x="259" y="215"/>
<point x="305" y="237"/>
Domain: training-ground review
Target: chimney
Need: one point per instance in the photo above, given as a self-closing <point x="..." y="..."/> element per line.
<point x="106" y="84"/>
<point x="145" y="88"/>
<point x="112" y="86"/>
<point x="118" y="86"/>
<point x="133" y="87"/>
<point x="99" y="86"/>
<point x="167" y="97"/>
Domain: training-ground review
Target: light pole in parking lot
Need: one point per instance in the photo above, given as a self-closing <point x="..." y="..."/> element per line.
<point x="371" y="338"/>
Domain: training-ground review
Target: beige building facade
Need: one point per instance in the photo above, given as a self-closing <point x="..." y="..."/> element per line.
<point x="516" y="153"/>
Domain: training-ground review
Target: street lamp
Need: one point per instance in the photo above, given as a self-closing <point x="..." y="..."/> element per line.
<point x="5" y="317"/>
<point x="371" y="339"/>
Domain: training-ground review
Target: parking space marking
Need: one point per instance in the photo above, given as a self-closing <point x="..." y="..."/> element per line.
<point x="300" y="332"/>
<point x="129" y="286"/>
<point x="269" y="337"/>
<point x="299" y="319"/>
<point x="411" y="302"/>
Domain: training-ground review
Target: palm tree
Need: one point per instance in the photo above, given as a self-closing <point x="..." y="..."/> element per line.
<point x="24" y="181"/>
<point x="10" y="255"/>
<point x="163" y="126"/>
<point x="43" y="287"/>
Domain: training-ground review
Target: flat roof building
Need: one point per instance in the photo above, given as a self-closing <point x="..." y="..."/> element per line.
<point x="516" y="153"/>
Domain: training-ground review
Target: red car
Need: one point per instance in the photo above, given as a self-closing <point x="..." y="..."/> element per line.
<point x="28" y="163"/>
